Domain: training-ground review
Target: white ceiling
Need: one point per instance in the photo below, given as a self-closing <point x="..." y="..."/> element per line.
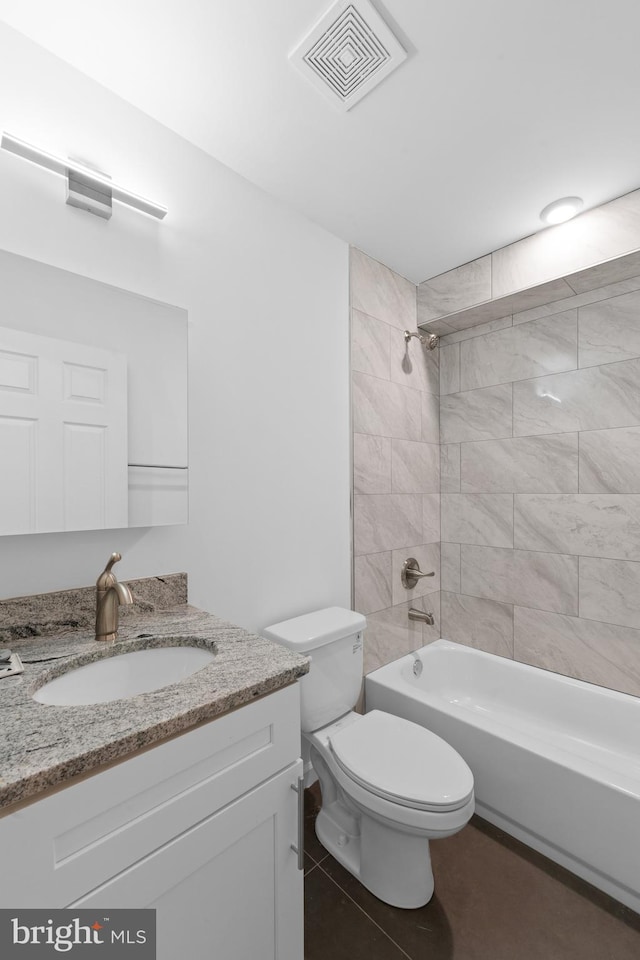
<point x="501" y="107"/>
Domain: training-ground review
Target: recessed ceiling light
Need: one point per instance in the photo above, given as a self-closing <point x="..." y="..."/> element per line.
<point x="561" y="210"/>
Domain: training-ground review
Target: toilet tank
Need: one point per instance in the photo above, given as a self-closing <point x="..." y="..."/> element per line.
<point x="332" y="639"/>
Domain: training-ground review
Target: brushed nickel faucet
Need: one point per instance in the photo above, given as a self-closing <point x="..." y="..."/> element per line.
<point x="411" y="573"/>
<point x="109" y="595"/>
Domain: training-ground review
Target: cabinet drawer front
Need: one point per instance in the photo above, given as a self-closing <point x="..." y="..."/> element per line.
<point x="74" y="840"/>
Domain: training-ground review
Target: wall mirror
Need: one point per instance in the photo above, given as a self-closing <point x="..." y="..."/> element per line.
<point x="93" y="404"/>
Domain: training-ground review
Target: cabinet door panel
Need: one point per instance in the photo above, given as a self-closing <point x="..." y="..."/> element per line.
<point x="227" y="889"/>
<point x="76" y="839"/>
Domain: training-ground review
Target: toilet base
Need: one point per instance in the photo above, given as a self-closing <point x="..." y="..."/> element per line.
<point x="395" y="866"/>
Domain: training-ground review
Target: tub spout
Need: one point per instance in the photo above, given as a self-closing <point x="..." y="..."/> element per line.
<point x="415" y="614"/>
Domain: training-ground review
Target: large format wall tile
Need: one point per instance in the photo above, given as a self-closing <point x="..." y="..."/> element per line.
<point x="477" y="331"/>
<point x="594" y="398"/>
<point x="450" y="369"/>
<point x="450" y="468"/>
<point x="610" y="591"/>
<point x="477" y="414"/>
<point x="415" y="467"/>
<point x="613" y="270"/>
<point x="390" y="634"/>
<point x="591" y="525"/>
<point x="479" y="623"/>
<point x="595" y="652"/>
<point x="483" y="518"/>
<point x="386" y="522"/>
<point x="548" y="581"/>
<point x="518" y="353"/>
<point x="430" y="518"/>
<point x="371" y="464"/>
<point x="579" y="300"/>
<point x="370" y="343"/>
<point x="450" y="567"/>
<point x="428" y="557"/>
<point x="385" y="409"/>
<point x="610" y="330"/>
<point x="430" y="418"/>
<point x="612" y="230"/>
<point x="372" y="575"/>
<point x="610" y="461"/>
<point x="524" y="265"/>
<point x="454" y="290"/>
<point x="430" y="604"/>
<point x="381" y="293"/>
<point x="521" y="465"/>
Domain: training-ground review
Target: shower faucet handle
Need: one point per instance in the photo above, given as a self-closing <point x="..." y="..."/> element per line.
<point x="411" y="573"/>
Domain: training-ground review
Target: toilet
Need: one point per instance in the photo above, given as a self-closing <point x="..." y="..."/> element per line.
<point x="388" y="785"/>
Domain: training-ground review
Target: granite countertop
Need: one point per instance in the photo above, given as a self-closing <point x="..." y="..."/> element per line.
<point x="43" y="746"/>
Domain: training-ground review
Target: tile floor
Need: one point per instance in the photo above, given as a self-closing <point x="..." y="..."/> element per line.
<point x="495" y="899"/>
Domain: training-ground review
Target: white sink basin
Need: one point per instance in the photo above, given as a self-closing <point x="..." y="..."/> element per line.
<point x="127" y="675"/>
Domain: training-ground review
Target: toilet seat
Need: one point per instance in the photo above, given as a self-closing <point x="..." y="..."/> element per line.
<point x="402" y="762"/>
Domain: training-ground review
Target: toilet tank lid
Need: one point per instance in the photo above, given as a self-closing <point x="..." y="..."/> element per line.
<point x="316" y="629"/>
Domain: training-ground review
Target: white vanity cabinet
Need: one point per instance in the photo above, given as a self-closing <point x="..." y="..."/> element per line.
<point x="200" y="827"/>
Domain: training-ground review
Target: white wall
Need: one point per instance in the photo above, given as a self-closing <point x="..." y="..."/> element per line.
<point x="267" y="295"/>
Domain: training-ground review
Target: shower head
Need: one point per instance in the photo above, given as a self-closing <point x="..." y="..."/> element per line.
<point x="431" y="341"/>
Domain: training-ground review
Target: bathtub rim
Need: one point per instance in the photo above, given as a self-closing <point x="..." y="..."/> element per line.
<point x="613" y="775"/>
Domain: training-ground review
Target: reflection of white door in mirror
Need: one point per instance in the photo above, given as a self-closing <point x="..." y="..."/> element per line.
<point x="63" y="435"/>
<point x="44" y="301"/>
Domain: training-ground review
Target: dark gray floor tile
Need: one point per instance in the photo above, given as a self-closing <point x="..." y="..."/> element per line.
<point x="335" y="929"/>
<point x="496" y="899"/>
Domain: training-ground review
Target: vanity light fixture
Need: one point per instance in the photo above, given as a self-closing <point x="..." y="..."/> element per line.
<point x="86" y="188"/>
<point x="561" y="210"/>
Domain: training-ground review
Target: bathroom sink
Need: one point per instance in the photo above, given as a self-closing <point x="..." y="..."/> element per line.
<point x="124" y="676"/>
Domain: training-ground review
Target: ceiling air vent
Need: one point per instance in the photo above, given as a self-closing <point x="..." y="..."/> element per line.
<point x="348" y="52"/>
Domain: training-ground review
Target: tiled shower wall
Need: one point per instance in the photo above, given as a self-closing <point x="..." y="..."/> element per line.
<point x="540" y="472"/>
<point x="396" y="462"/>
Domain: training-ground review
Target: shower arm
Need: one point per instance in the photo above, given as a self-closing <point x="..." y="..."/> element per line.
<point x="431" y="341"/>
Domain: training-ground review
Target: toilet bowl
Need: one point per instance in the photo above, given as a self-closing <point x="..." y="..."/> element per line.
<point x="388" y="785"/>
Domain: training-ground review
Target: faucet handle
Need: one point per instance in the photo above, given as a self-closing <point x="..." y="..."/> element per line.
<point x="411" y="573"/>
<point x="107" y="578"/>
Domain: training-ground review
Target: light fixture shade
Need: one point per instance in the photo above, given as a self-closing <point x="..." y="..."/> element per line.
<point x="67" y="167"/>
<point x="561" y="210"/>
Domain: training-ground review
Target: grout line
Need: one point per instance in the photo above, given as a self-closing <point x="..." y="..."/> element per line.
<point x="578" y="591"/>
<point x="404" y="386"/>
<point x="544" y="376"/>
<point x="557" y="613"/>
<point x="363" y="911"/>
<point x="578" y="490"/>
<point x="513" y="426"/>
<point x="476" y="336"/>
<point x="549" y="553"/>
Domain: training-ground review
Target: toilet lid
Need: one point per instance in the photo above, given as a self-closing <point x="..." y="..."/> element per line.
<point x="402" y="762"/>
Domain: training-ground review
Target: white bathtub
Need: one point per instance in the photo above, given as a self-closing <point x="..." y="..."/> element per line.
<point x="556" y="761"/>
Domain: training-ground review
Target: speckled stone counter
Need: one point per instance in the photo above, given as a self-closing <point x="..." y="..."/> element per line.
<point x="43" y="746"/>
